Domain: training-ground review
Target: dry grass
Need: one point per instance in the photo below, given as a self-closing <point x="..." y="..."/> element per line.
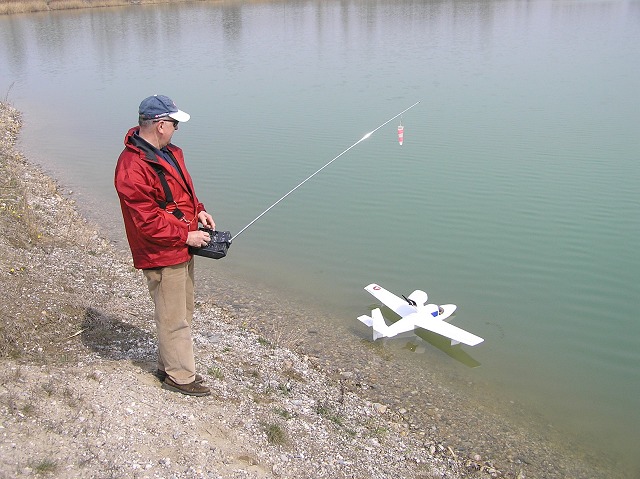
<point x="16" y="223"/>
<point x="13" y="211"/>
<point x="276" y="435"/>
<point x="33" y="312"/>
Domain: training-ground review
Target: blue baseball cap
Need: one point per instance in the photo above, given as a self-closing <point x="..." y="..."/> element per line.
<point x="160" y="106"/>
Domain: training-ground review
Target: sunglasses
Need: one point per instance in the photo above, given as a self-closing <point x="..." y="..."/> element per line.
<point x="169" y="120"/>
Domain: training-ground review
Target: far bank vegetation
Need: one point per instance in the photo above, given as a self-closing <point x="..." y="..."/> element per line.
<point x="8" y="7"/>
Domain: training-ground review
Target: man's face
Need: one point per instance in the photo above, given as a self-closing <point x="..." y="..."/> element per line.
<point x="166" y="128"/>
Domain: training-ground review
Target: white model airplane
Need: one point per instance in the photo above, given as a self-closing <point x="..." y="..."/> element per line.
<point x="415" y="313"/>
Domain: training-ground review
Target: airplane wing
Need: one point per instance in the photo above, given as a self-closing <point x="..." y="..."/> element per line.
<point x="390" y="300"/>
<point x="426" y="321"/>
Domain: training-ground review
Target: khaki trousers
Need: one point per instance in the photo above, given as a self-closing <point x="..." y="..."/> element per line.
<point x="171" y="290"/>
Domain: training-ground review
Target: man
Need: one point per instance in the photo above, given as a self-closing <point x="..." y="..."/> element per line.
<point x="161" y="213"/>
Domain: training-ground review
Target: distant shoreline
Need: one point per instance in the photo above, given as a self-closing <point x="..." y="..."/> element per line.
<point x="9" y="7"/>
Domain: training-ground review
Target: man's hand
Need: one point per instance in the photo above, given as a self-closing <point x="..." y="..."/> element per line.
<point x="207" y="220"/>
<point x="198" y="239"/>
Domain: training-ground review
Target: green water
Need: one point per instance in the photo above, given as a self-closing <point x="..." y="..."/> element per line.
<point x="514" y="194"/>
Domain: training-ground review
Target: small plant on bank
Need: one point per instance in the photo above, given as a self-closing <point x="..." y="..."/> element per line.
<point x="45" y="466"/>
<point x="293" y="374"/>
<point x="326" y="412"/>
<point x="264" y="342"/>
<point x="49" y="388"/>
<point x="17" y="374"/>
<point x="285" y="389"/>
<point x="379" y="432"/>
<point x="275" y="434"/>
<point x="216" y="373"/>
<point x="283" y="413"/>
<point x="73" y="400"/>
<point x="283" y="337"/>
<point x="28" y="409"/>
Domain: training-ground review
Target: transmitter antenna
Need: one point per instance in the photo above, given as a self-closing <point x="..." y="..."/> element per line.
<point x="319" y="170"/>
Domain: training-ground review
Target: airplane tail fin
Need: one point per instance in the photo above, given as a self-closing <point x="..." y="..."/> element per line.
<point x="376" y="320"/>
<point x="379" y="326"/>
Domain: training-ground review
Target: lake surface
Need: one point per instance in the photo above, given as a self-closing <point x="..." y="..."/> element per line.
<point x="513" y="196"/>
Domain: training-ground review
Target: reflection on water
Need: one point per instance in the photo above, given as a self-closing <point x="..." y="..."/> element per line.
<point x="457" y="352"/>
<point x="513" y="195"/>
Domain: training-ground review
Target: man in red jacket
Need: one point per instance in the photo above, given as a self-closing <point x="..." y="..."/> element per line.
<point x="161" y="213"/>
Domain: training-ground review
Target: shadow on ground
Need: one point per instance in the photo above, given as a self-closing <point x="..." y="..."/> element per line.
<point x="113" y="339"/>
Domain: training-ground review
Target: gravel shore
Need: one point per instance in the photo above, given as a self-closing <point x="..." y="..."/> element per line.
<point x="78" y="397"/>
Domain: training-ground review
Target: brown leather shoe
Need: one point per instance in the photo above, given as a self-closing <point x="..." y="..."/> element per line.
<point x="191" y="389"/>
<point x="161" y="375"/>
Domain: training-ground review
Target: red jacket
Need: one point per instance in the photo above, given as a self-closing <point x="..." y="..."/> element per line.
<point x="156" y="237"/>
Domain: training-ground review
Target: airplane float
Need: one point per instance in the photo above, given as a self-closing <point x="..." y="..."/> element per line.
<point x="415" y="312"/>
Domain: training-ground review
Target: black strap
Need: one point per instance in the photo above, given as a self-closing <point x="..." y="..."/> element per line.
<point x="167" y="193"/>
<point x="176" y="165"/>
